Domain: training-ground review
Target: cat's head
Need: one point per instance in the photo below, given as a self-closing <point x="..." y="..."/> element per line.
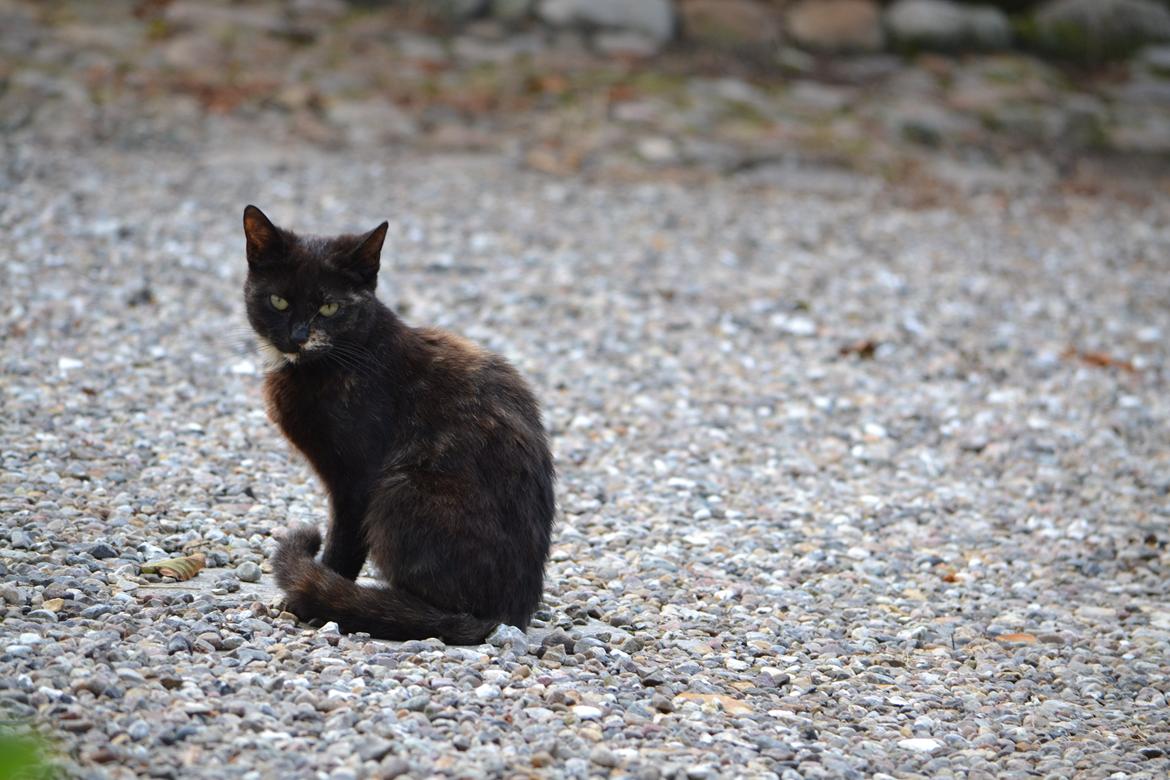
<point x="307" y="295"/>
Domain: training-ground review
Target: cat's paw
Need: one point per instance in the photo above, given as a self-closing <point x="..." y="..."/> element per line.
<point x="303" y="606"/>
<point x="303" y="580"/>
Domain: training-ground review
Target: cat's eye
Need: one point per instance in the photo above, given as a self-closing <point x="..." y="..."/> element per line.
<point x="329" y="309"/>
<point x="278" y="303"/>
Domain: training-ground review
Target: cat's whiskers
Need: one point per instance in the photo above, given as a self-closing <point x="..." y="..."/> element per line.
<point x="237" y="339"/>
<point x="362" y="353"/>
<point x="272" y="357"/>
<point x="360" y="358"/>
<point x="343" y="361"/>
<point x="351" y="362"/>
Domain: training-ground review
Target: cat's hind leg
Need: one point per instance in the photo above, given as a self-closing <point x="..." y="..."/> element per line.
<point x="315" y="592"/>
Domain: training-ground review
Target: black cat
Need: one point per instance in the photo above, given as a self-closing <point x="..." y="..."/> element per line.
<point x="431" y="448"/>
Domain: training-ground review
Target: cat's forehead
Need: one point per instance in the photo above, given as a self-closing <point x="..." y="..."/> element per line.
<point x="320" y="251"/>
<point x="310" y="257"/>
<point x="309" y="262"/>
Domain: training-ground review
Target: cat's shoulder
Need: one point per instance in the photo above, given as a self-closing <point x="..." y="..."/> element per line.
<point x="448" y="340"/>
<point x="459" y="363"/>
<point x="454" y="350"/>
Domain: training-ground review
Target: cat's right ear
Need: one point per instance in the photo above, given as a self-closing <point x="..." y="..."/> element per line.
<point x="264" y="239"/>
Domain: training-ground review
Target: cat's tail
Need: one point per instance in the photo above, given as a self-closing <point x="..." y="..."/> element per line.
<point x="315" y="592"/>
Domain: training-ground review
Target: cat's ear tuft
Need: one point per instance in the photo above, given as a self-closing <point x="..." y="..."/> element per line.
<point x="367" y="256"/>
<point x="264" y="239"/>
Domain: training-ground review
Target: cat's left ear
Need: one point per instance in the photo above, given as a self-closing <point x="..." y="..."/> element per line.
<point x="366" y="258"/>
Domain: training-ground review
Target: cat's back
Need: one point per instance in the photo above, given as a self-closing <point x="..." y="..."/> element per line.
<point x="466" y="382"/>
<point x="457" y="365"/>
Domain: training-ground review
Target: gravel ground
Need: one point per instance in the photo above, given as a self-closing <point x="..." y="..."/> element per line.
<point x="847" y="488"/>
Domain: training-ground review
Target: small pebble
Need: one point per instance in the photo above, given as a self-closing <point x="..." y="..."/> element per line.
<point x="846" y="459"/>
<point x="102" y="551"/>
<point x="603" y="756"/>
<point x="248" y="572"/>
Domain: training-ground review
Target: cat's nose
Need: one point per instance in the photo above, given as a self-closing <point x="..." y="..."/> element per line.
<point x="300" y="334"/>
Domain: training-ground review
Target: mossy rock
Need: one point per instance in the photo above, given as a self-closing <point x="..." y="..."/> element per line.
<point x="1091" y="32"/>
<point x="1008" y="6"/>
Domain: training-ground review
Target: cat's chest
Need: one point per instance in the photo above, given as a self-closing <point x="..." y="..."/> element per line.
<point x="319" y="416"/>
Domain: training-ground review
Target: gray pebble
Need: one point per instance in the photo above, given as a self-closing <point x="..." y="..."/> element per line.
<point x="845" y="463"/>
<point x="393" y="766"/>
<point x="374" y="748"/>
<point x="178" y="644"/>
<point x="248" y="572"/>
<point x="42" y="616"/>
<point x="603" y="756"/>
<point x="509" y="636"/>
<point x="102" y="551"/>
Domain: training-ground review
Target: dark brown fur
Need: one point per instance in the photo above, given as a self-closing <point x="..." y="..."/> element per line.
<point x="431" y="449"/>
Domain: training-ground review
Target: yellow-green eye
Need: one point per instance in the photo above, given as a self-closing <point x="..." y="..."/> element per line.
<point x="278" y="303"/>
<point x="328" y="309"/>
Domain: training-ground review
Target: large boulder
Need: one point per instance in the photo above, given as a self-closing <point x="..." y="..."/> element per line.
<point x="1011" y="6"/>
<point x="652" y="18"/>
<point x="729" y="23"/>
<point x="511" y="10"/>
<point x="1096" y="30"/>
<point x="457" y="11"/>
<point x="1156" y="59"/>
<point x="836" y="25"/>
<point x="947" y="25"/>
<point x="186" y="15"/>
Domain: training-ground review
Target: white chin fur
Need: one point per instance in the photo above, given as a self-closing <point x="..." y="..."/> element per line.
<point x="273" y="358"/>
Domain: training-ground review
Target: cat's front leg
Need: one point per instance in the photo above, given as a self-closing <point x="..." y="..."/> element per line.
<point x="345" y="544"/>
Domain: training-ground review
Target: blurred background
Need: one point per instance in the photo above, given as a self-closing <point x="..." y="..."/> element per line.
<point x="940" y="94"/>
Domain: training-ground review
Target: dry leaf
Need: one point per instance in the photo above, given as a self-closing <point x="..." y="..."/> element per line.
<point x="621" y="93"/>
<point x="549" y="84"/>
<point x="863" y="348"/>
<point x="1100" y="360"/>
<point x="179" y="568"/>
<point x="729" y="705"/>
<point x="563" y="162"/>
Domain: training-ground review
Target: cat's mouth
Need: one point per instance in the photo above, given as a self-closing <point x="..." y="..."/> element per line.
<point x="315" y="347"/>
<point x="276" y="358"/>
